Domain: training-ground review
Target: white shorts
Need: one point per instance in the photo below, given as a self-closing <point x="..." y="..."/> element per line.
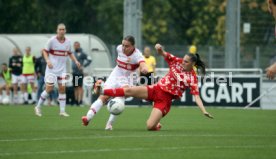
<point x="16" y="79"/>
<point x="27" y="79"/>
<point x="53" y="79"/>
<point x="52" y="76"/>
<point x="120" y="77"/>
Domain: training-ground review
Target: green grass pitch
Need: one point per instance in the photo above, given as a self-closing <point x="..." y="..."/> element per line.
<point x="234" y="133"/>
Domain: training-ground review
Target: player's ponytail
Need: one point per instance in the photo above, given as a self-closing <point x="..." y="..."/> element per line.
<point x="198" y="63"/>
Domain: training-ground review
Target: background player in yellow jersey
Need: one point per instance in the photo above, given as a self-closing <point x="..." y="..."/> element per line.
<point x="148" y="78"/>
<point x="28" y="75"/>
<point x="6" y="75"/>
<point x="193" y="50"/>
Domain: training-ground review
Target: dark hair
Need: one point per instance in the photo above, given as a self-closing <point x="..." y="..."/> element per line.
<point x="198" y="63"/>
<point x="4" y="64"/>
<point x="131" y="39"/>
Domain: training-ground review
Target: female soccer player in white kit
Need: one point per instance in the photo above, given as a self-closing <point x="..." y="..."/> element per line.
<point x="128" y="60"/>
<point x="55" y="53"/>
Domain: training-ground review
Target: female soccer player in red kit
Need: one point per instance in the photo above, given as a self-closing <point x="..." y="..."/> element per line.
<point x="180" y="77"/>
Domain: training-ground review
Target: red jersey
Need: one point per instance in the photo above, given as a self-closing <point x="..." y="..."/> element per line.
<point x="177" y="80"/>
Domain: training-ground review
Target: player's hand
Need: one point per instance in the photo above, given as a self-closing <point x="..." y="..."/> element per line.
<point x="270" y="74"/>
<point x="208" y="115"/>
<point x="144" y="70"/>
<point x="49" y="63"/>
<point x="78" y="65"/>
<point x="158" y="47"/>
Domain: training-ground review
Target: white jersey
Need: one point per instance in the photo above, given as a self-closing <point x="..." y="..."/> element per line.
<point x="58" y="52"/>
<point x="125" y="71"/>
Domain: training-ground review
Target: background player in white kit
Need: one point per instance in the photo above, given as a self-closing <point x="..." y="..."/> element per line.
<point x="128" y="60"/>
<point x="55" y="53"/>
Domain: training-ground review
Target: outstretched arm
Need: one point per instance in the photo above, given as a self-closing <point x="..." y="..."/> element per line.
<point x="160" y="50"/>
<point x="201" y="106"/>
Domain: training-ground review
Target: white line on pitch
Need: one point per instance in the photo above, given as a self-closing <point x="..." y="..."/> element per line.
<point x="128" y="136"/>
<point x="138" y="149"/>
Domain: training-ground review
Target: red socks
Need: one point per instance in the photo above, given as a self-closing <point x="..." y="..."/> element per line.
<point x="115" y="92"/>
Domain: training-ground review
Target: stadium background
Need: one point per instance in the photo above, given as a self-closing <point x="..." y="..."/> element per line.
<point x="177" y="24"/>
<point x="100" y="26"/>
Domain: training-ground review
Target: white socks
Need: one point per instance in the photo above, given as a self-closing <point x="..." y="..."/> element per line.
<point x="111" y="119"/>
<point x="26" y="96"/>
<point x="42" y="98"/>
<point x="34" y="96"/>
<point x="62" y="102"/>
<point x="95" y="107"/>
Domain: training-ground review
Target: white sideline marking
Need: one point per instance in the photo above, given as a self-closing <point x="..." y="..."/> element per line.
<point x="139" y="149"/>
<point x="127" y="136"/>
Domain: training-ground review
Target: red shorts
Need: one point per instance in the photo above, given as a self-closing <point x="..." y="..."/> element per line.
<point x="162" y="100"/>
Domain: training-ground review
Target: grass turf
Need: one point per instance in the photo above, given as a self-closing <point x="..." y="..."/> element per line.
<point x="234" y="133"/>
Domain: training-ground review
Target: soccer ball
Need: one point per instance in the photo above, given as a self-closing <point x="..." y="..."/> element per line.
<point x="116" y="106"/>
<point x="6" y="100"/>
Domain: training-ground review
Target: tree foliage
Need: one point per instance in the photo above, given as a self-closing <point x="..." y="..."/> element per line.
<point x="167" y="21"/>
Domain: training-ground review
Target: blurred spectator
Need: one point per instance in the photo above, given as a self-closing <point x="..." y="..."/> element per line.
<point x="6" y="75"/>
<point x="15" y="64"/>
<point x="40" y="67"/>
<point x="78" y="72"/>
<point x="28" y="76"/>
<point x="148" y="78"/>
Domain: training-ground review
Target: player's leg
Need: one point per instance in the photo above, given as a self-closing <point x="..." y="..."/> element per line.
<point x="94" y="108"/>
<point x="137" y="92"/>
<point x="15" y="81"/>
<point x="24" y="89"/>
<point x="62" y="99"/>
<point x="40" y="85"/>
<point x="75" y="86"/>
<point x="31" y="81"/>
<point x="80" y="90"/>
<point x="112" y="117"/>
<point x="76" y="94"/>
<point x="124" y="82"/>
<point x="1" y="94"/>
<point x="154" y="119"/>
<point x="7" y="89"/>
<point x="49" y="86"/>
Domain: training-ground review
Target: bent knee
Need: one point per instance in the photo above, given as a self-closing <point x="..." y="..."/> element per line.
<point x="150" y="125"/>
